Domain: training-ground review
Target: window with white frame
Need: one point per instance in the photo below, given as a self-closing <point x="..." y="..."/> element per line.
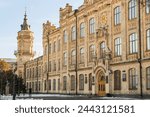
<point x="148" y="39"/>
<point x="117" y="15"/>
<point x="65" y="36"/>
<point x="133" y="43"/>
<point x="82" y="55"/>
<point x="73" y="57"/>
<point x="147" y="6"/>
<point x="82" y="28"/>
<point x="118" y="47"/>
<point x="92" y="26"/>
<point x="92" y="52"/>
<point x="73" y="33"/>
<point x="102" y="49"/>
<point x="132" y="9"/>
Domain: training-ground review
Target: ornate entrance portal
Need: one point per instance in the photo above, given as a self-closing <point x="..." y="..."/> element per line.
<point x="101" y="83"/>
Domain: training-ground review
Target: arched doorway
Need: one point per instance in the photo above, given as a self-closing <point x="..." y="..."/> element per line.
<point x="101" y="83"/>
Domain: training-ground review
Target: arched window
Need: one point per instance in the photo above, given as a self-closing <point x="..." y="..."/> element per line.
<point x="133" y="81"/>
<point x="92" y="26"/>
<point x="90" y="81"/>
<point x="117" y="80"/>
<point x="81" y="82"/>
<point x="82" y="28"/>
<point x="148" y="77"/>
<point x="73" y="57"/>
<point x="102" y="50"/>
<point x="73" y="82"/>
<point x="132" y="9"/>
<point x="92" y="52"/>
<point x="82" y="55"/>
<point x="133" y="43"/>
<point x="65" y="83"/>
<point x="73" y="33"/>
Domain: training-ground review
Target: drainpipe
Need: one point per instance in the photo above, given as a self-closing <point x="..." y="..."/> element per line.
<point x="76" y="67"/>
<point x="47" y="60"/>
<point x="140" y="49"/>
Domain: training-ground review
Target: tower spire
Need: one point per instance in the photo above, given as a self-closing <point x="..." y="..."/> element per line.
<point x="25" y="25"/>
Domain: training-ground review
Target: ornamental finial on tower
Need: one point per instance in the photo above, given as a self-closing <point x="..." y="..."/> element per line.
<point x="25" y="25"/>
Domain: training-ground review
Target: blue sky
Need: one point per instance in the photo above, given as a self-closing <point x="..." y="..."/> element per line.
<point x="38" y="12"/>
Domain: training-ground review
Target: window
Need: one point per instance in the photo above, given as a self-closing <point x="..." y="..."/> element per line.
<point x="50" y="49"/>
<point x="148" y="39"/>
<point x="82" y="27"/>
<point x="58" y="84"/>
<point x="45" y="85"/>
<point x="58" y="45"/>
<point x="65" y="58"/>
<point x="58" y="64"/>
<point x="148" y="77"/>
<point x="54" y="67"/>
<point x="117" y="15"/>
<point x="147" y="6"/>
<point x="49" y="84"/>
<point x="64" y="83"/>
<point x="81" y="82"/>
<point x="39" y="86"/>
<point x="102" y="50"/>
<point x="50" y="68"/>
<point x="54" y="84"/>
<point x="46" y="50"/>
<point x="73" y="82"/>
<point x="118" y="47"/>
<point x="54" y="47"/>
<point x="92" y="26"/>
<point x="133" y="43"/>
<point x="45" y="67"/>
<point x="82" y="55"/>
<point x="90" y="82"/>
<point x="73" y="33"/>
<point x="92" y="52"/>
<point x="132" y="9"/>
<point x="39" y="71"/>
<point x="73" y="57"/>
<point x="33" y="73"/>
<point x="133" y="83"/>
<point x="117" y="80"/>
<point x="65" y="36"/>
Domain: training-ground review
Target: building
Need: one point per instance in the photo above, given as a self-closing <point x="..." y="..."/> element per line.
<point x="101" y="48"/>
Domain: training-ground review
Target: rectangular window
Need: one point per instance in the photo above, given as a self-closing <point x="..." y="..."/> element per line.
<point x="133" y="43"/>
<point x="92" y="26"/>
<point x="117" y="15"/>
<point x="132" y="9"/>
<point x="148" y="78"/>
<point x="54" y="84"/>
<point x="65" y="36"/>
<point x="82" y="27"/>
<point x="49" y="84"/>
<point x="147" y="6"/>
<point x="73" y="33"/>
<point x="118" y="49"/>
<point x="148" y="39"/>
<point x="58" y="45"/>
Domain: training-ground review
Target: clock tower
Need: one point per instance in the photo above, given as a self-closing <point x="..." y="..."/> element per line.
<point x="24" y="51"/>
